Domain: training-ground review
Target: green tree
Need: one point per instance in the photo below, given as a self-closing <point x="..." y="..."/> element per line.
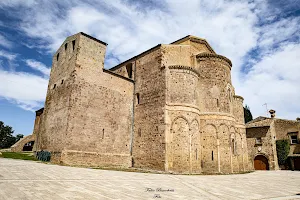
<point x="247" y="114"/>
<point x="6" y="136"/>
<point x="19" y="136"/>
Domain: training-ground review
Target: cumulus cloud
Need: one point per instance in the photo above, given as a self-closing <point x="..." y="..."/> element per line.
<point x="129" y="31"/>
<point x="36" y="65"/>
<point x="26" y="90"/>
<point x="275" y="81"/>
<point x="252" y="33"/>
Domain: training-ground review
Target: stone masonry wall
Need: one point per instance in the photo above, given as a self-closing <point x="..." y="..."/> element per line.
<point x="149" y="125"/>
<point x="100" y="117"/>
<point x="279" y="129"/>
<point x="215" y="86"/>
<point x="53" y="128"/>
<point x="37" y="128"/>
<point x="149" y="100"/>
<point x="238" y="109"/>
<point x="183" y="150"/>
<point x="88" y="112"/>
<point x="170" y="108"/>
<point x="182" y="116"/>
<point x="266" y="148"/>
<point x="223" y="141"/>
<point x="283" y="130"/>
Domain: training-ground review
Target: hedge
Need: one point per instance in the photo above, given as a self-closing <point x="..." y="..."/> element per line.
<point x="283" y="149"/>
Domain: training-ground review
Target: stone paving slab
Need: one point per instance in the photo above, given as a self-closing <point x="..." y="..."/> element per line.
<point x="20" y="179"/>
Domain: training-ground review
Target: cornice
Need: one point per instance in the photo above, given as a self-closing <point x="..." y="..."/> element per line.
<point x="185" y="68"/>
<point x="237" y="96"/>
<point x="210" y="55"/>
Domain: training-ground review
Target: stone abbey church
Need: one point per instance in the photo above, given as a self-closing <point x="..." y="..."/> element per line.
<point x="171" y="108"/>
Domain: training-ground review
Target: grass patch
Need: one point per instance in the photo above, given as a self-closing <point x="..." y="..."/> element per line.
<point x="21" y="156"/>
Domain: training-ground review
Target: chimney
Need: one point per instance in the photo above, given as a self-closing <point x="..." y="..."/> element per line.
<point x="272" y="112"/>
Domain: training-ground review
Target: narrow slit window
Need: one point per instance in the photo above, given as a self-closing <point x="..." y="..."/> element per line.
<point x="57" y="56"/>
<point x="217" y="102"/>
<point x="233" y="146"/>
<point x="138" y="98"/>
<point x="140" y="132"/>
<point x="129" y="70"/>
<point x="66" y="46"/>
<point x="54" y="86"/>
<point x="73" y="44"/>
<point x="212" y="155"/>
<point x="62" y="81"/>
<point x="103" y="134"/>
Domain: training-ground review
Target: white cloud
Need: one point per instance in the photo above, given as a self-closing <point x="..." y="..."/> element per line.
<point x="13" y="3"/>
<point x="5" y="42"/>
<point x="233" y="28"/>
<point x="26" y="90"/>
<point x="36" y="65"/>
<point x="7" y="55"/>
<point x="275" y="81"/>
<point x="124" y="27"/>
<point x="278" y="31"/>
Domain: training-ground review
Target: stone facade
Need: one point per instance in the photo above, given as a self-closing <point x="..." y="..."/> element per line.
<point x="171" y="108"/>
<point x="19" y="146"/>
<point x="262" y="134"/>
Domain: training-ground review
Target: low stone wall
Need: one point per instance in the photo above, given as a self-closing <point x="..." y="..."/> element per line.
<point x="18" y="147"/>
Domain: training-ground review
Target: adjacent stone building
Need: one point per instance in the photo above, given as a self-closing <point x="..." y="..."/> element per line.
<point x="262" y="134"/>
<point x="27" y="143"/>
<point x="171" y="108"/>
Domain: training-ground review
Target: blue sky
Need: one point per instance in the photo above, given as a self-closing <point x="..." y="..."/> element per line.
<point x="262" y="39"/>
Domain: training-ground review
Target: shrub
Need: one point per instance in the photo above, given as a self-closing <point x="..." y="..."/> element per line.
<point x="283" y="149"/>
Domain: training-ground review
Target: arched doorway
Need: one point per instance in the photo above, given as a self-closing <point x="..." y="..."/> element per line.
<point x="261" y="163"/>
<point x="28" y="146"/>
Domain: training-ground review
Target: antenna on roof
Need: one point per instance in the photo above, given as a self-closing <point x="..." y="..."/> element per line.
<point x="265" y="104"/>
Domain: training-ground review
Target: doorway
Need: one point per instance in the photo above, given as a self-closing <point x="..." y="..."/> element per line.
<point x="28" y="146"/>
<point x="261" y="163"/>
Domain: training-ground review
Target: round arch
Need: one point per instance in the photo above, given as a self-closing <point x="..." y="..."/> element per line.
<point x="261" y="162"/>
<point x="28" y="146"/>
<point x="179" y="117"/>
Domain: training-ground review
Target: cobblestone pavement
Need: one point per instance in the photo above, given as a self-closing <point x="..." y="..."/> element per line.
<point x="20" y="179"/>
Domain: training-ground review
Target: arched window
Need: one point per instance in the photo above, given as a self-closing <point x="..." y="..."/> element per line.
<point x="233" y="144"/>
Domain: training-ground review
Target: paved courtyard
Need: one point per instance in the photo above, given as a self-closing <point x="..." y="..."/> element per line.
<point x="21" y="179"/>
